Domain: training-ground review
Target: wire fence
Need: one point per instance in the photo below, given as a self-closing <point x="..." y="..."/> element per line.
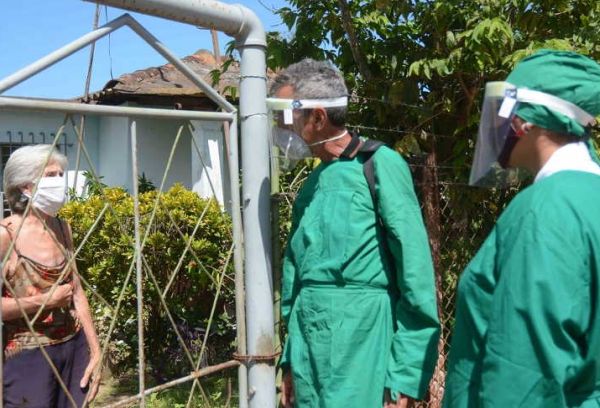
<point x="461" y="221"/>
<point x="157" y="269"/>
<point x="161" y="266"/>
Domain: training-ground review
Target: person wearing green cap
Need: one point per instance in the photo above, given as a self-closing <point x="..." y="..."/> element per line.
<point x="527" y="330"/>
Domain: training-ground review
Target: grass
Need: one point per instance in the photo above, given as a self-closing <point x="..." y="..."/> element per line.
<point x="218" y="391"/>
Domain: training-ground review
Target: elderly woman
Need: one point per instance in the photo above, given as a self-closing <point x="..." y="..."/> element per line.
<point x="42" y="290"/>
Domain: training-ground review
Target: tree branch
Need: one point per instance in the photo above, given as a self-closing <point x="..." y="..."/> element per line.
<point x="359" y="58"/>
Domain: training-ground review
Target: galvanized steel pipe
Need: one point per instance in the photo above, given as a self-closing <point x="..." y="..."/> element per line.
<point x="48" y="105"/>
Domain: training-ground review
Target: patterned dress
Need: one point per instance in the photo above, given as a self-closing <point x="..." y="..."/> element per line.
<point x="28" y="278"/>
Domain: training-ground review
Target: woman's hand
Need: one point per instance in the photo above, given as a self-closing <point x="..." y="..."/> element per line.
<point x="91" y="376"/>
<point x="287" y="390"/>
<point x="62" y="296"/>
<point x="402" y="402"/>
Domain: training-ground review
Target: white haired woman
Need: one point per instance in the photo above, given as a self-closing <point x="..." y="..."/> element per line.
<point x="40" y="279"/>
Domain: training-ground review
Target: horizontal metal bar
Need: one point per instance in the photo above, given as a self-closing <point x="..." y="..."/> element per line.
<point x="196" y="374"/>
<point x="43" y="105"/>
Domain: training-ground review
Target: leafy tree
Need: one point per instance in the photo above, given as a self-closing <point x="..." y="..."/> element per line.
<point x="418" y="67"/>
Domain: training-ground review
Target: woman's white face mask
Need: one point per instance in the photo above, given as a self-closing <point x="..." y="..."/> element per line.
<point x="50" y="196"/>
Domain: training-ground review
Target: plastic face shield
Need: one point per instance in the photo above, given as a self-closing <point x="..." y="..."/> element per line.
<point x="496" y="138"/>
<point x="491" y="138"/>
<point x="288" y="117"/>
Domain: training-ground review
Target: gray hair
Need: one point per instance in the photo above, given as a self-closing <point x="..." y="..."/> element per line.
<point x="312" y="79"/>
<point x="25" y="166"/>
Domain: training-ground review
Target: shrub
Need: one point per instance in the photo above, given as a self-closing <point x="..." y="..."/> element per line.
<point x="107" y="256"/>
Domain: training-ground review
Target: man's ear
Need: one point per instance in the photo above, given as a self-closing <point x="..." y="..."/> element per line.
<point x="527" y="126"/>
<point x="319" y="116"/>
<point x="520" y="126"/>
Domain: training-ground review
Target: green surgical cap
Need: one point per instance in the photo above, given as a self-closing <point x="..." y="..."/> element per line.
<point x="567" y="75"/>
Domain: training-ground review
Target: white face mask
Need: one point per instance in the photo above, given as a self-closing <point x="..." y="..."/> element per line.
<point x="50" y="196"/>
<point x="293" y="147"/>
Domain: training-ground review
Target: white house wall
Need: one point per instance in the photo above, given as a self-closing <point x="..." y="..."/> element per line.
<point x="108" y="143"/>
<point x="155" y="141"/>
<point x="23" y="128"/>
<point x="211" y="168"/>
<point x="114" y="152"/>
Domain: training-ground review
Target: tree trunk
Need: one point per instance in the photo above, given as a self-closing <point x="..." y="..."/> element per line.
<point x="432" y="213"/>
<point x="357" y="54"/>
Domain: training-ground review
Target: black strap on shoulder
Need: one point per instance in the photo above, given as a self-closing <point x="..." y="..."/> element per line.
<point x="367" y="148"/>
<point x="370" y="147"/>
<point x="354" y="142"/>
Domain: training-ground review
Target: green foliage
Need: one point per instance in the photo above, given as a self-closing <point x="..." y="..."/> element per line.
<point x="427" y="61"/>
<point x="216" y="396"/>
<point x="93" y="185"/>
<point x="218" y="391"/>
<point x="216" y="74"/>
<point x="108" y="256"/>
<point x="145" y="184"/>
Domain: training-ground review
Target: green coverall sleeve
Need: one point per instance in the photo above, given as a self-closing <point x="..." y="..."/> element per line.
<point x="414" y="344"/>
<point x="289" y="290"/>
<point x="539" y="314"/>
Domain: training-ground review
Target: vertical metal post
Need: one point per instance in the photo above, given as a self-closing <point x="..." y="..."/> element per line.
<point x="138" y="264"/>
<point x="238" y="259"/>
<point x="257" y="223"/>
<point x="276" y="259"/>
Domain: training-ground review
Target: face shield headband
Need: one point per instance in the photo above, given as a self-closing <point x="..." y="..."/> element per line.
<point x="287" y="117"/>
<point x="496" y="138"/>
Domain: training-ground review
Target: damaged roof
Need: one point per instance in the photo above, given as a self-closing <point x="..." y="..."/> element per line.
<point x="166" y="85"/>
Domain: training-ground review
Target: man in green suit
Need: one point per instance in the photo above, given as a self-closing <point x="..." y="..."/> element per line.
<point x="527" y="328"/>
<point x="358" y="292"/>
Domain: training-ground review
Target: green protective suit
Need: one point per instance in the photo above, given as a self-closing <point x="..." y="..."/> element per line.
<point x="358" y="319"/>
<point x="527" y="328"/>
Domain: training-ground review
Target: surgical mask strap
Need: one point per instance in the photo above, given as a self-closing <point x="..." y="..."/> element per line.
<point x="329" y="140"/>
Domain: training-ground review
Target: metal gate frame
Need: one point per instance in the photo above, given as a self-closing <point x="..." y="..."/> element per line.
<point x="256" y="374"/>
